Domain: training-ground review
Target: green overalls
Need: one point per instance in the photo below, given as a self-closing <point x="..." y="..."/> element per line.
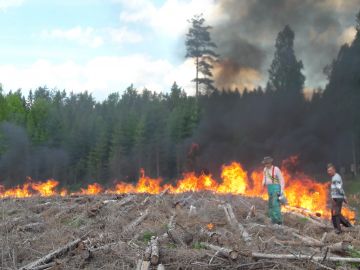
<point x="274" y="190"/>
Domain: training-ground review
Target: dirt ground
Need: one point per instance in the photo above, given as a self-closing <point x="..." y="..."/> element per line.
<point x="115" y="231"/>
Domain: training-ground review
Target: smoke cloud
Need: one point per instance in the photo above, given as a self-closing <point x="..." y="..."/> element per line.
<point x="246" y="37"/>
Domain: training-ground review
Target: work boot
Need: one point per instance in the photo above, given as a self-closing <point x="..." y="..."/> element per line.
<point x="333" y="221"/>
<point x="344" y="221"/>
<point x="336" y="223"/>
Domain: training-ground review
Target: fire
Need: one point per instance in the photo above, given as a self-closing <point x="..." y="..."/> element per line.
<point x="301" y="191"/>
<point x="44" y="189"/>
<point x="92" y="189"/>
<point x="210" y="226"/>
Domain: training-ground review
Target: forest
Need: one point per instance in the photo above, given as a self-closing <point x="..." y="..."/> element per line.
<point x="72" y="137"/>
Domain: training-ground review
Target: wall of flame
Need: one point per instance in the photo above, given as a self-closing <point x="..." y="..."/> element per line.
<point x="301" y="190"/>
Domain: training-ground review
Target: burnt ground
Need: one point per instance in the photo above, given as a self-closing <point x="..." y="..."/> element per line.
<point x="33" y="227"/>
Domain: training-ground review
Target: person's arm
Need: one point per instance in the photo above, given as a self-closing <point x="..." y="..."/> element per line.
<point x="281" y="179"/>
<point x="264" y="178"/>
<point x="338" y="183"/>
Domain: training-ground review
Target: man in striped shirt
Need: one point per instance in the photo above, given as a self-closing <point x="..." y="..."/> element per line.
<point x="274" y="181"/>
<point x="337" y="199"/>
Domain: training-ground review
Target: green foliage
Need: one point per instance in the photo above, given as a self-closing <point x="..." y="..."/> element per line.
<point x="285" y="70"/>
<point x="198" y="245"/>
<point x="200" y="47"/>
<point x="146" y="237"/>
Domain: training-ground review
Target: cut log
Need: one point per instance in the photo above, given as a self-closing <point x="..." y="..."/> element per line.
<point x="126" y="200"/>
<point x="251" y="212"/>
<point x="337" y="247"/>
<point x="225" y="252"/>
<point x="131" y="227"/>
<point x="161" y="267"/>
<point x="235" y="224"/>
<point x="109" y="201"/>
<point x="176" y="234"/>
<point x="49" y="257"/>
<point x="143" y="265"/>
<point x="44" y="266"/>
<point x="311" y="220"/>
<point x="308" y="239"/>
<point x="192" y="211"/>
<point x="147" y="253"/>
<point x="154" y="250"/>
<point x="304" y="257"/>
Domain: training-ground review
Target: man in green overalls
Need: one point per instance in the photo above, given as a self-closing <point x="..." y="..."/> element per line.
<point x="274" y="181"/>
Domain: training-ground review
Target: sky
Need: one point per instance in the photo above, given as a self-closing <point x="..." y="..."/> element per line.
<point x="103" y="46"/>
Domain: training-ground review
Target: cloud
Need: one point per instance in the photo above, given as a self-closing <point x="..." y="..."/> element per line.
<point x="171" y="17"/>
<point x="123" y="35"/>
<point x="100" y="75"/>
<point x="5" y="4"/>
<point x="84" y="36"/>
<point x="94" y="38"/>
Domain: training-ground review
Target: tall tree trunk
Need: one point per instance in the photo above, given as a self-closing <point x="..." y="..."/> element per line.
<point x="157" y="162"/>
<point x="197" y="77"/>
<point x="354" y="153"/>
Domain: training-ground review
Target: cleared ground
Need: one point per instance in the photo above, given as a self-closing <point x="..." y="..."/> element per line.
<point x="115" y="232"/>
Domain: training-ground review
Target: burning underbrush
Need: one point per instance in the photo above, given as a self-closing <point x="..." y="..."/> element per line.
<point x="191" y="230"/>
<point x="301" y="190"/>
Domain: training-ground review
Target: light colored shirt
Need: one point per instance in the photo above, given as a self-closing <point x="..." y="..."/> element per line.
<point x="268" y="174"/>
<point x="337" y="190"/>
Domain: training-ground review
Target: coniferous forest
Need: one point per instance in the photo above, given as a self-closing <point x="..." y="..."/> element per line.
<point x="74" y="138"/>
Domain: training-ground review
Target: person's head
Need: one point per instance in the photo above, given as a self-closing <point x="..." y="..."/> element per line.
<point x="267" y="161"/>
<point x="331" y="169"/>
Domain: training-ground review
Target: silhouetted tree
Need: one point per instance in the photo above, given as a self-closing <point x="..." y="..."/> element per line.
<point x="200" y="47"/>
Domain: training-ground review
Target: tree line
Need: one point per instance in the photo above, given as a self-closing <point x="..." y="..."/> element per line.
<point x="73" y="138"/>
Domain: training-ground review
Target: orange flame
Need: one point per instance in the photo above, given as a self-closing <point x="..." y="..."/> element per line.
<point x="210" y="226"/>
<point x="301" y="191"/>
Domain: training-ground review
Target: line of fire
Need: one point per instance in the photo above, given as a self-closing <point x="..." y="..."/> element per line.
<point x="304" y="194"/>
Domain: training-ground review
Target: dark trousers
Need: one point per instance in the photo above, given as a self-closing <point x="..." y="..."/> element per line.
<point x="336" y="216"/>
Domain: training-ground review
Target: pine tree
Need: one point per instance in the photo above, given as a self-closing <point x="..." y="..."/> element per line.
<point x="200" y="47"/>
<point x="285" y="71"/>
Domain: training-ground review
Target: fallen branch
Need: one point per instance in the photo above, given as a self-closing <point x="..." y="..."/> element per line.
<point x="49" y="257"/>
<point x="235" y="224"/>
<point x="126" y="200"/>
<point x="311" y="220"/>
<point x="308" y="239"/>
<point x="251" y="212"/>
<point x="44" y="266"/>
<point x="304" y="257"/>
<point x="129" y="228"/>
<point x="143" y="265"/>
<point x="225" y="252"/>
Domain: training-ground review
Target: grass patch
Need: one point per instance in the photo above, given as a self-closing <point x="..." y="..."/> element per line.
<point x="73" y="222"/>
<point x="355" y="254"/>
<point x="303" y="220"/>
<point x="146" y="237"/>
<point x="198" y="245"/>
